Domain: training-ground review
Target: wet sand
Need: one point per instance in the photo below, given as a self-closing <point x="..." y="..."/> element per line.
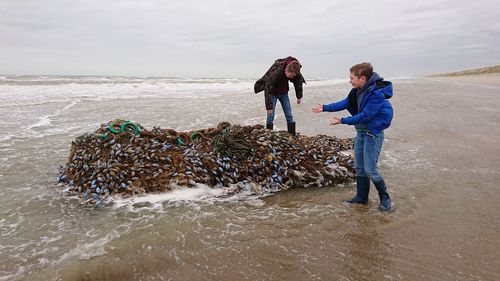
<point x="440" y="160"/>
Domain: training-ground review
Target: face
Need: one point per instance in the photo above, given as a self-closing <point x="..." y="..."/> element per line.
<point x="357" y="82"/>
<point x="289" y="74"/>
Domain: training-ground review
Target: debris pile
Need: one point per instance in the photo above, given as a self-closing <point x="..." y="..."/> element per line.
<point x="122" y="158"/>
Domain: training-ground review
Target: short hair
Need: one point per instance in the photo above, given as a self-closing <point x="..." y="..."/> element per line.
<point x="362" y="69"/>
<point x="294" y="67"/>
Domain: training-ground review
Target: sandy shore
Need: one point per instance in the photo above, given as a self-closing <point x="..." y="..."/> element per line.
<point x="489" y="79"/>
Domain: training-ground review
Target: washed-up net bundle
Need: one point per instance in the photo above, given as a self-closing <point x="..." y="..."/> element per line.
<point x="122" y="158"/>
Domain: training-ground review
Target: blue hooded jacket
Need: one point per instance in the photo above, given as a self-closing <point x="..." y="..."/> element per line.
<point x="375" y="111"/>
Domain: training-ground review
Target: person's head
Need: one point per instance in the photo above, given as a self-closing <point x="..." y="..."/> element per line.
<point x="360" y="73"/>
<point x="292" y="69"/>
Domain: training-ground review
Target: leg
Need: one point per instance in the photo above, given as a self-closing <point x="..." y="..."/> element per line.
<point x="362" y="181"/>
<point x="270" y="118"/>
<point x="373" y="146"/>
<point x="287" y="109"/>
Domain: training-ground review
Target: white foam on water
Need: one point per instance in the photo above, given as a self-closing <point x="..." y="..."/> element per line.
<point x="327" y="82"/>
<point x="487" y="109"/>
<point x="89" y="250"/>
<point x="73" y="103"/>
<point x="41" y="121"/>
<point x="182" y="195"/>
<point x="254" y="120"/>
<point x="8" y="229"/>
<point x="6" y="137"/>
<point x="55" y="131"/>
<point x="20" y="271"/>
<point x="40" y="127"/>
<point x="154" y="201"/>
<point x="44" y="261"/>
<point x="49" y="239"/>
<point x="125" y="88"/>
<point x="196" y="123"/>
<point x="247" y="198"/>
<point x="63" y="93"/>
<point x="412" y="158"/>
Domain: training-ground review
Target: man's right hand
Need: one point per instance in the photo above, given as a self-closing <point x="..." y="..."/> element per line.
<point x="270" y="112"/>
<point x="318" y="108"/>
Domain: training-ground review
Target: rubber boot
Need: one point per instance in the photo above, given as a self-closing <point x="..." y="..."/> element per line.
<point x="385" y="200"/>
<point x="291" y="128"/>
<point x="362" y="190"/>
<point x="269" y="126"/>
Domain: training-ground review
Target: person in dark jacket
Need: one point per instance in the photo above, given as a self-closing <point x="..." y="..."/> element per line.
<point x="371" y="113"/>
<point x="275" y="86"/>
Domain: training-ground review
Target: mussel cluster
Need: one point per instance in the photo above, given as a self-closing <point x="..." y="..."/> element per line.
<point x="122" y="158"/>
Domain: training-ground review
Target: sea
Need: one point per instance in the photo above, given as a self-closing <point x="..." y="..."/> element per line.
<point x="440" y="160"/>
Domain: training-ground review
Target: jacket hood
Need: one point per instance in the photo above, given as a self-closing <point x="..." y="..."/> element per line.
<point x="377" y="83"/>
<point x="386" y="89"/>
<point x="286" y="60"/>
<point x="372" y="81"/>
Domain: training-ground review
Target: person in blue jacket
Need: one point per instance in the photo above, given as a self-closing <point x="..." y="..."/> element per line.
<point x="371" y="113"/>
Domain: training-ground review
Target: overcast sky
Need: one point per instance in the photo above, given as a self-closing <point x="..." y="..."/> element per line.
<point x="233" y="38"/>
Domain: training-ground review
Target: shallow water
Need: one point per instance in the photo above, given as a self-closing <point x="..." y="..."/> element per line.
<point x="439" y="159"/>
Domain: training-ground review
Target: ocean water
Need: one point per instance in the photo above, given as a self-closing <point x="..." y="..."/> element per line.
<point x="439" y="160"/>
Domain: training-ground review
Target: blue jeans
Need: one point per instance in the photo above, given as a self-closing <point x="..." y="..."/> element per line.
<point x="367" y="149"/>
<point x="285" y="104"/>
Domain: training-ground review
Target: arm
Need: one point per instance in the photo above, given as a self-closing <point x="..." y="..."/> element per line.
<point x="297" y="84"/>
<point x="261" y="84"/>
<point x="269" y="102"/>
<point x="376" y="100"/>
<point x="336" y="106"/>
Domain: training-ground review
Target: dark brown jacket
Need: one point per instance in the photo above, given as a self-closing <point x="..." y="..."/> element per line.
<point x="275" y="82"/>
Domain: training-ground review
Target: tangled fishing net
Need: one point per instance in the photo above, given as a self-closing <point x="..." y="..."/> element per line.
<point x="122" y="158"/>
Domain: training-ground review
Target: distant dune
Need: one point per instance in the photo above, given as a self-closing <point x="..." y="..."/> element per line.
<point x="485" y="75"/>
<point x="477" y="71"/>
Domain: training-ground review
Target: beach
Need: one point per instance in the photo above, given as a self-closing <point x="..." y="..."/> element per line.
<point x="489" y="79"/>
<point x="439" y="160"/>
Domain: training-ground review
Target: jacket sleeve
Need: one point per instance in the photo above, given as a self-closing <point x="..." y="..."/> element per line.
<point x="271" y="77"/>
<point x="269" y="101"/>
<point x="336" y="106"/>
<point x="267" y="81"/>
<point x="259" y="86"/>
<point x="270" y="80"/>
<point x="372" y="107"/>
<point x="297" y="84"/>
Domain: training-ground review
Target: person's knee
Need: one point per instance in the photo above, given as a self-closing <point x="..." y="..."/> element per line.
<point x="360" y="172"/>
<point x="373" y="175"/>
<point x="288" y="115"/>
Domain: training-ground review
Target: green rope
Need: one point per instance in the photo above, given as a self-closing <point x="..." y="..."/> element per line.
<point x="232" y="143"/>
<point x="195" y="135"/>
<point x="133" y="126"/>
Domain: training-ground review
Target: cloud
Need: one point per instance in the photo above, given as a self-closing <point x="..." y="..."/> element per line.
<point x="223" y="38"/>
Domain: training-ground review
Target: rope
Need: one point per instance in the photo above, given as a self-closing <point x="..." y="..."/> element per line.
<point x="232" y="143"/>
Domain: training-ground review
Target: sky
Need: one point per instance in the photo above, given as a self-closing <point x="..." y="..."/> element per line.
<point x="241" y="39"/>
